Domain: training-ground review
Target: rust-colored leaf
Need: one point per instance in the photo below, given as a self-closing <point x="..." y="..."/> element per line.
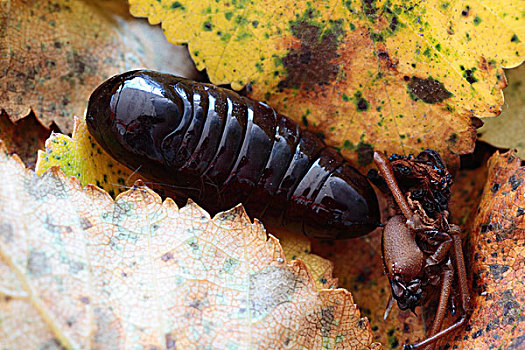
<point x="81" y="270"/>
<point x="497" y="263"/>
<point x="53" y="53"/>
<point x="468" y="185"/>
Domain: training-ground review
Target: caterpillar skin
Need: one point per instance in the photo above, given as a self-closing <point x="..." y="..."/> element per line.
<point x="221" y="149"/>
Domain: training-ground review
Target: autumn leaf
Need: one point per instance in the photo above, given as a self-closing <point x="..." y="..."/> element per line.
<point x="80" y="156"/>
<point x="54" y="53"/>
<point x="497" y="241"/>
<point x="395" y="76"/>
<point x="329" y="65"/>
<point x="92" y="272"/>
<point x="298" y="246"/>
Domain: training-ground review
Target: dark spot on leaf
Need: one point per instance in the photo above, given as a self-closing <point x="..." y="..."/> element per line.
<point x="171" y="343"/>
<point x="369" y="7"/>
<point x="514" y="39"/>
<point x="362" y="105"/>
<point x="305" y="121"/>
<point x="515" y="182"/>
<point x="466" y="11"/>
<point x="312" y="63"/>
<point x="520" y="212"/>
<point x="428" y="90"/>
<point x="497" y="270"/>
<point x="52" y="344"/>
<point x="11" y="87"/>
<point x="385" y="57"/>
<point x="327" y="319"/>
<point x="477" y="20"/>
<point x="393" y="24"/>
<point x="453" y="138"/>
<point x="177" y="5"/>
<point x="511" y="308"/>
<point x="494" y="188"/>
<point x="38" y="264"/>
<point x="377" y="37"/>
<point x="207" y="26"/>
<point x="166" y="257"/>
<point x="477" y="334"/>
<point x="469" y="75"/>
<point x="81" y="64"/>
<point x="6" y="232"/>
<point x="492" y="325"/>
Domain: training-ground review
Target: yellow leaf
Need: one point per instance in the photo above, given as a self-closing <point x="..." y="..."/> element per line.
<point x="298" y="246"/>
<point x="396" y="76"/>
<point x="80" y="270"/>
<point x="80" y="156"/>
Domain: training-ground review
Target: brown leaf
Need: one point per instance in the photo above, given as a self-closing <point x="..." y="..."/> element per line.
<point x="81" y="270"/>
<point x="54" y="53"/>
<point x="497" y="264"/>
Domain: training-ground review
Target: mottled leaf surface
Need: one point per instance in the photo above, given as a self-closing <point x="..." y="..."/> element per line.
<point x="81" y="270"/>
<point x="497" y="261"/>
<point x="53" y="53"/>
<point x="395" y="76"/>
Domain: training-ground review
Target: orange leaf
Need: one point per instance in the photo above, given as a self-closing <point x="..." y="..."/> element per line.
<point x="497" y="264"/>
